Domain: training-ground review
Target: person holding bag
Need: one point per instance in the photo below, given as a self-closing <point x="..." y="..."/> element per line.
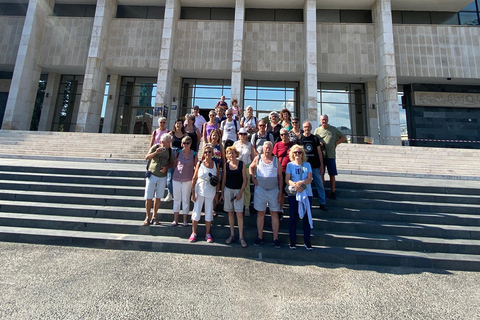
<point x="299" y="179"/>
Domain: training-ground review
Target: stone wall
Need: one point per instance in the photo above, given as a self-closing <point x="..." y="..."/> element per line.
<point x="10" y="34"/>
<point x="437" y="51"/>
<point x="274" y="47"/>
<point x="66" y="41"/>
<point x="346" y="49"/>
<point x="134" y="43"/>
<point x="204" y="45"/>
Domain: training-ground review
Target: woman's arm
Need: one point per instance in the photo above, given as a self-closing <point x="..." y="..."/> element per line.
<point x="224" y="179"/>
<point x="194" y="181"/>
<point x="152" y="141"/>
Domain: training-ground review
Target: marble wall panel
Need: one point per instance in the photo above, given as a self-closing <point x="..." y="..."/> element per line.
<point x="274" y="47"/>
<point x="66" y="41"/>
<point x="437" y="51"/>
<point x="10" y="38"/>
<point x="346" y="49"/>
<point x="134" y="43"/>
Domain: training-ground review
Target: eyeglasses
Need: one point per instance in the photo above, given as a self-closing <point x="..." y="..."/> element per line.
<point x="284" y="134"/>
<point x="261" y="125"/>
<point x="185" y="143"/>
<point x="211" y="115"/>
<point x="294" y="122"/>
<point x="297" y="152"/>
<point x="242" y="134"/>
<point x="207" y="152"/>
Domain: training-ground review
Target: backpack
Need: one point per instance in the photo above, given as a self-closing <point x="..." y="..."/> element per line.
<point x="255" y="138"/>
<point x="234" y="124"/>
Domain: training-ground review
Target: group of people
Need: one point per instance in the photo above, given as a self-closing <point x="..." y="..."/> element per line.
<point x="216" y="161"/>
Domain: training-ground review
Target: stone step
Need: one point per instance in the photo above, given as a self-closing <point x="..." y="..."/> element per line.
<point x="345" y="255"/>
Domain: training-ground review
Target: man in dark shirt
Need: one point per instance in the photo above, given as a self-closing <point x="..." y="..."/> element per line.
<point x="311" y="143"/>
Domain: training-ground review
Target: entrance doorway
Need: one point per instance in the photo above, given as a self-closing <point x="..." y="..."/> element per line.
<point x="3" y="105"/>
<point x="68" y="103"/>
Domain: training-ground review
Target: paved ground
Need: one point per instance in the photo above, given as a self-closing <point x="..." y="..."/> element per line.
<point x="49" y="282"/>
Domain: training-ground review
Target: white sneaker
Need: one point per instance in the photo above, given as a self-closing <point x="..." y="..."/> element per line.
<point x="247" y="212"/>
<point x="168" y="198"/>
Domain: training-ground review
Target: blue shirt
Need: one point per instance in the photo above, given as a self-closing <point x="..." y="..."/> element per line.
<point x="297" y="175"/>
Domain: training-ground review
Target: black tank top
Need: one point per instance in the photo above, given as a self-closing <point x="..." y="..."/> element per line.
<point x="177" y="142"/>
<point x="234" y="179"/>
<point x="194" y="137"/>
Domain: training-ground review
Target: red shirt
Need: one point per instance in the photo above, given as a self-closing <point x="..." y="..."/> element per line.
<point x="281" y="151"/>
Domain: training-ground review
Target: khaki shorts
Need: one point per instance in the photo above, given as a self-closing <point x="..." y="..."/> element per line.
<point x="230" y="205"/>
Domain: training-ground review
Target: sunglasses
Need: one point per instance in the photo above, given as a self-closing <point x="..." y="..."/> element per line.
<point x="284" y="134"/>
<point x="297" y="152"/>
<point x="185" y="143"/>
<point x="242" y="134"/>
<point x="207" y="152"/>
<point x="261" y="125"/>
<point x="294" y="122"/>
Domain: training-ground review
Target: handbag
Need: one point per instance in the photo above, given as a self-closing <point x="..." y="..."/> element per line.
<point x="289" y="190"/>
<point x="213" y="179"/>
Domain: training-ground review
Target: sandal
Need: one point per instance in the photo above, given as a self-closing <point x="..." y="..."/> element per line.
<point x="230" y="240"/>
<point x="146" y="222"/>
<point x="174" y="224"/>
<point x="155" y="222"/>
<point x="185" y="224"/>
<point x="243" y="243"/>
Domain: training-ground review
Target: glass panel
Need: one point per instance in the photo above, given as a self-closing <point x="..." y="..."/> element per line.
<point x="450" y="18"/>
<point x="416" y="17"/>
<point x="227" y="92"/>
<point x="467" y="18"/>
<point x="355" y="16"/>
<point x="208" y="92"/>
<point x="328" y="15"/>
<point x="208" y="82"/>
<point x="252" y="103"/>
<point x="293" y="15"/>
<point x="334" y="86"/>
<point x="134" y="12"/>
<point x="397" y="17"/>
<point x="271" y="95"/>
<point x="338" y="115"/>
<point x="222" y="14"/>
<point x="205" y="103"/>
<point x="471" y="7"/>
<point x="270" y="105"/>
<point x="90" y="11"/>
<point x="16" y="9"/>
<point x="335" y="97"/>
<point x="259" y="14"/>
<point x="250" y="84"/>
<point x="195" y="13"/>
<point x="271" y="85"/>
<point x="155" y="12"/>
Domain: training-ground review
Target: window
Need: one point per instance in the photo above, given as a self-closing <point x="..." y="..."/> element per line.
<point x="402" y="106"/>
<point x="344" y="16"/>
<point x="287" y="15"/>
<point x="140" y="12"/>
<point x="345" y="105"/>
<point x="202" y="13"/>
<point x="74" y="10"/>
<point x="13" y="9"/>
<point x="268" y="96"/>
<point x="204" y="93"/>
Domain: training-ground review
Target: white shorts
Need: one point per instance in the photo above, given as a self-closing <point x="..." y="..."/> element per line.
<point x="155" y="186"/>
<point x="263" y="197"/>
<point x="197" y="209"/>
<point x="232" y="205"/>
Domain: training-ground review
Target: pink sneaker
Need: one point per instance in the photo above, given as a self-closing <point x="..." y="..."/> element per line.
<point x="193" y="237"/>
<point x="209" y="238"/>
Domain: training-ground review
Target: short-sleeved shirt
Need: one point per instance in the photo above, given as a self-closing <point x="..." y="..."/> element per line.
<point x="230" y="130"/>
<point x="160" y="160"/>
<point x="329" y="136"/>
<point x="281" y="151"/>
<point x="258" y="140"/>
<point x="296" y="174"/>
<point x="310" y="144"/>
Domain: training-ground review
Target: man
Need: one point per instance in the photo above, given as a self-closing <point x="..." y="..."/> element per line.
<point x="311" y="143"/>
<point x="259" y="138"/>
<point x="222" y="103"/>
<point x="199" y="119"/>
<point x="266" y="173"/>
<point x="220" y="115"/>
<point x="330" y="137"/>
<point x="229" y="129"/>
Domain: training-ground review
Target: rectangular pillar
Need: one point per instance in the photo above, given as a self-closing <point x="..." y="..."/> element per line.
<point x="48" y="106"/>
<point x="165" y="65"/>
<point x="310" y="21"/>
<point x="89" y="113"/>
<point x="372" y="114"/>
<point x="112" y="104"/>
<point x="23" y="91"/>
<point x="388" y="114"/>
<point x="237" y="56"/>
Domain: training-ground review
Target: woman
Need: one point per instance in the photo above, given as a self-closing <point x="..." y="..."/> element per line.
<point x="233" y="184"/>
<point x="274" y="126"/>
<point x="285" y="116"/>
<point x="296" y="133"/>
<point x="192" y="131"/>
<point x="249" y="122"/>
<point x="177" y="134"/>
<point x="209" y="126"/>
<point x="281" y="150"/>
<point x="161" y="159"/>
<point x="182" y="180"/>
<point x="299" y="179"/>
<point x="159" y="132"/>
<point x="246" y="154"/>
<point x="203" y="192"/>
<point x="237" y="111"/>
<point x="218" y="152"/>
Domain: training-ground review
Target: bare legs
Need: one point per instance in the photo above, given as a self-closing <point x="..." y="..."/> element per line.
<point x="261" y="222"/>
<point x="231" y="220"/>
<point x="149" y="203"/>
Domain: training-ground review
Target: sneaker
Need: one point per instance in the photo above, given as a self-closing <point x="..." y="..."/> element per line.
<point x="280" y="215"/>
<point x="209" y="238"/>
<point x="276" y="243"/>
<point x="193" y="237"/>
<point x="258" y="242"/>
<point x="293" y="247"/>
<point x="168" y="198"/>
<point x="247" y="212"/>
<point x="323" y="207"/>
<point x="333" y="196"/>
<point x="308" y="246"/>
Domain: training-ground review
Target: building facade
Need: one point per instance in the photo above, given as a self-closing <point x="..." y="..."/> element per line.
<point x="381" y="69"/>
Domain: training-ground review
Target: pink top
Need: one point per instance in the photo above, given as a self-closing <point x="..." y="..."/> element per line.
<point x="158" y="134"/>
<point x="185" y="167"/>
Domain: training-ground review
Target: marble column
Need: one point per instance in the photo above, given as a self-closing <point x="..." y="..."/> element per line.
<point x="310" y="73"/>
<point x="388" y="114"/>
<point x="372" y="114"/>
<point x="237" y="56"/>
<point x="26" y="74"/>
<point x="48" y="106"/>
<point x="90" y="111"/>
<point x="112" y="104"/>
<point x="165" y="65"/>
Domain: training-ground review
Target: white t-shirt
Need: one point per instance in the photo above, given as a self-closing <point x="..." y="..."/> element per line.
<point x="229" y="131"/>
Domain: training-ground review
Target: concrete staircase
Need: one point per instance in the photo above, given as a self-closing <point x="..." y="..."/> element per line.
<point x="98" y="202"/>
